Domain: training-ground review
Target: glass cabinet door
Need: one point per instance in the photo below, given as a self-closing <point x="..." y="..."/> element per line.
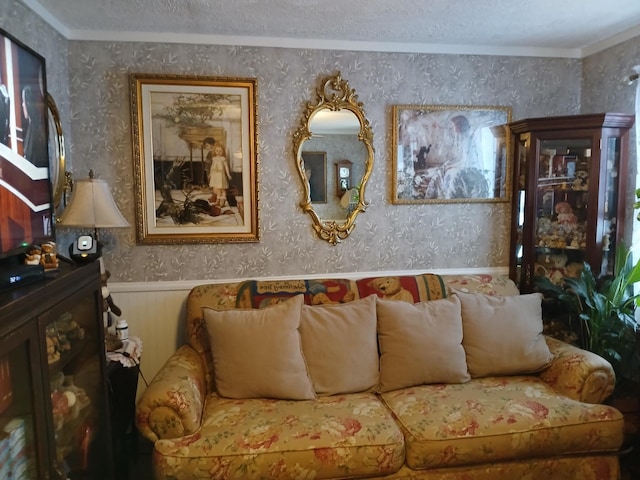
<point x="609" y="229"/>
<point x="562" y="203"/>
<point x="20" y="418"/>
<point x="520" y="202"/>
<point x="75" y="385"/>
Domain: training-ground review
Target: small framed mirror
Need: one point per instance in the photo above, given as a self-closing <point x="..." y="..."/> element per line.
<point x="334" y="136"/>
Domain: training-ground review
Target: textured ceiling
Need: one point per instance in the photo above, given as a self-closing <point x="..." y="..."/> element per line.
<point x="408" y="25"/>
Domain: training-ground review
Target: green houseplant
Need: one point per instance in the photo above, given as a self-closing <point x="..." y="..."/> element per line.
<point x="601" y="310"/>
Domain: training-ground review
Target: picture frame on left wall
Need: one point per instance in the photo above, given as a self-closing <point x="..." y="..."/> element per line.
<point x="195" y="159"/>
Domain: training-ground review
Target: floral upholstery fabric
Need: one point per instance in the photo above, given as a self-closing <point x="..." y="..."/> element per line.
<point x="578" y="374"/>
<point x="516" y="428"/>
<point x="596" y="467"/>
<point x="498" y="418"/>
<point x="173" y="401"/>
<point x="481" y="283"/>
<point x="342" y="436"/>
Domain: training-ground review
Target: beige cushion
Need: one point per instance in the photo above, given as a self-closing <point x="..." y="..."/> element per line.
<point x="420" y="343"/>
<point x="257" y="353"/>
<point x="503" y="335"/>
<point x="340" y="345"/>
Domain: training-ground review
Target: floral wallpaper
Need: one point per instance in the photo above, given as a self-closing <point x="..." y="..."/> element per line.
<point x="91" y="81"/>
<point x="33" y="31"/>
<point x="603" y="90"/>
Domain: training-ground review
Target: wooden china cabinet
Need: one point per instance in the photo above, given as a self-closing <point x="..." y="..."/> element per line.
<point x="570" y="176"/>
<point x="53" y="404"/>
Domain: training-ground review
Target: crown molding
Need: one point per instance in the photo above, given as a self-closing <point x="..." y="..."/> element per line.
<point x="610" y="42"/>
<point x="48" y="17"/>
<point x="320" y="44"/>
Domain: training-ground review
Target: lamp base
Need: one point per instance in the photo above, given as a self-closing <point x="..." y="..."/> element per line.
<point x="85" y="249"/>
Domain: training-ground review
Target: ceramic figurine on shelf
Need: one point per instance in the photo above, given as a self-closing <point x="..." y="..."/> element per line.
<point x="565" y="214"/>
<point x="49" y="256"/>
<point x="33" y="255"/>
<point x="581" y="182"/>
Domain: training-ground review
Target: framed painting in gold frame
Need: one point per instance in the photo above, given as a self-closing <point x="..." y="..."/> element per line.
<point x="195" y="159"/>
<point x="450" y="153"/>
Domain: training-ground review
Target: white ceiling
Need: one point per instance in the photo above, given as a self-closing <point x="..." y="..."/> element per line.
<point x="559" y="28"/>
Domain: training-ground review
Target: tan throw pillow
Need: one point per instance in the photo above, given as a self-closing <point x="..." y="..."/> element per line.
<point x="340" y="345"/>
<point x="257" y="353"/>
<point x="420" y="343"/>
<point x="503" y="335"/>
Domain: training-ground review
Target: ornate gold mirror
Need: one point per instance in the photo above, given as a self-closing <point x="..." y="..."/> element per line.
<point x="334" y="154"/>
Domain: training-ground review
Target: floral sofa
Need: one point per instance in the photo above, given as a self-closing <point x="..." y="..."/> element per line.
<point x="452" y="379"/>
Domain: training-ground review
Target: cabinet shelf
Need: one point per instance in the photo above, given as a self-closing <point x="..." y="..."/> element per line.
<point x="65" y="358"/>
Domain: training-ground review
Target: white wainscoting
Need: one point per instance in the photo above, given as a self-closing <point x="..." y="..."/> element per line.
<point x="155" y="310"/>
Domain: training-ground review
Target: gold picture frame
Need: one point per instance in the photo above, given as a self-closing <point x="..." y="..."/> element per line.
<point x="195" y="158"/>
<point x="450" y="154"/>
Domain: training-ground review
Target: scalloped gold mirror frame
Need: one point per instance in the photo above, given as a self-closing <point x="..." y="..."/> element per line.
<point x="334" y="95"/>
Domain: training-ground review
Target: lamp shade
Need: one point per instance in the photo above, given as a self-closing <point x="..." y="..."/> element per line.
<point x="92" y="205"/>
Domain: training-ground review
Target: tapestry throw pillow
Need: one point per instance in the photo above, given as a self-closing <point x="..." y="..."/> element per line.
<point x="420" y="343"/>
<point x="257" y="353"/>
<point x="410" y="288"/>
<point x="340" y="346"/>
<point x="262" y="293"/>
<point x="503" y="335"/>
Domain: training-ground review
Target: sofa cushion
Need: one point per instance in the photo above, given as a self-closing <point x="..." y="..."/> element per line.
<point x="503" y="335"/>
<point x="341" y="436"/>
<point x="340" y="346"/>
<point x="257" y="353"/>
<point x="498" y="418"/>
<point x="420" y="343"/>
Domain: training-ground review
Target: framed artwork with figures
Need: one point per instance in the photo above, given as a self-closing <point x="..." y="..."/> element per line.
<point x="195" y="155"/>
<point x="450" y="153"/>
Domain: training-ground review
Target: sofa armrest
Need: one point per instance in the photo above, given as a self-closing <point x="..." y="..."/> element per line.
<point x="172" y="404"/>
<point x="578" y="374"/>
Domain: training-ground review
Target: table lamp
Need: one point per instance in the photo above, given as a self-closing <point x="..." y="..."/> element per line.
<point x="91" y="205"/>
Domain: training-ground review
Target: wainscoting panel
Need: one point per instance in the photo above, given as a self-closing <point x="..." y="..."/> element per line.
<point x="156" y="318"/>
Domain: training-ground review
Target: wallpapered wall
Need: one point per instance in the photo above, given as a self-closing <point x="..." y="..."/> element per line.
<point x="90" y="82"/>
<point x="603" y="90"/>
<point x="33" y="31"/>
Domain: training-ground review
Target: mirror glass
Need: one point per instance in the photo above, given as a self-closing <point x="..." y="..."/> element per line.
<point x="334" y="154"/>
